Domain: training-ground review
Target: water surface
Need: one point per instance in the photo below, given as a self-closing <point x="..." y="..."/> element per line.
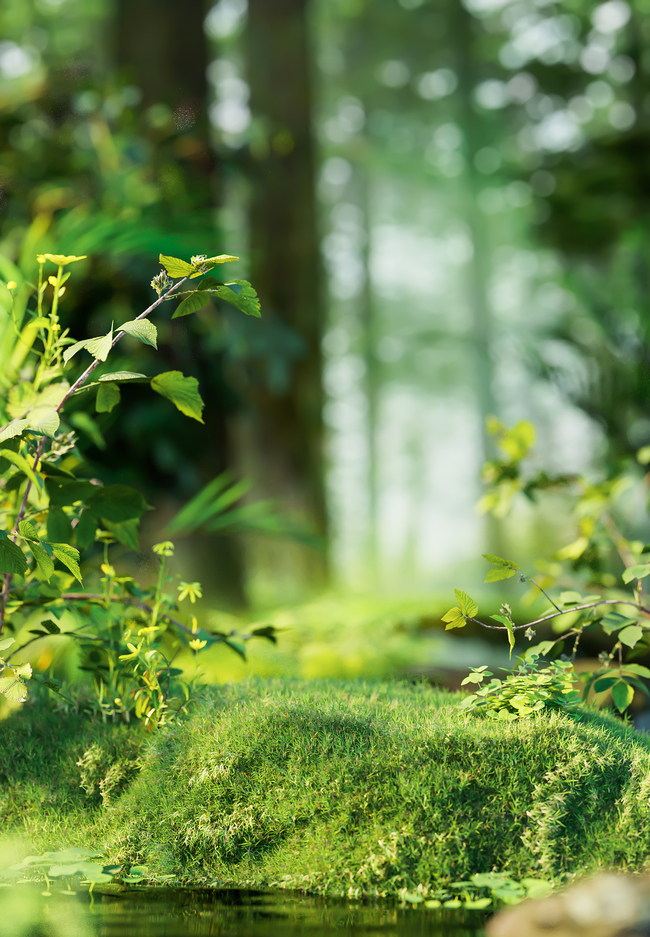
<point x="167" y="912"/>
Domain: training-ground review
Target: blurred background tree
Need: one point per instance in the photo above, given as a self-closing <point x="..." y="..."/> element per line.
<point x="472" y="176"/>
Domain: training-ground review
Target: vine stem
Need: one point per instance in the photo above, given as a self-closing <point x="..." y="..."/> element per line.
<point x="6" y="585"/>
<point x="574" y="608"/>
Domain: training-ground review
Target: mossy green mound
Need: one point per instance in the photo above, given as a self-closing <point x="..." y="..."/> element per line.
<point x="340" y="788"/>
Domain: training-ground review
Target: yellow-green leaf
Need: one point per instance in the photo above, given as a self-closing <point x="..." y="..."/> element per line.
<point x="43" y="559"/>
<point x="22" y="464"/>
<point x="466" y="604"/>
<point x="176" y="268"/>
<point x="143" y="330"/>
<point x="501" y="572"/>
<point x="108" y="396"/>
<point x="182" y="391"/>
<point x="43" y="420"/>
<point x="69" y="556"/>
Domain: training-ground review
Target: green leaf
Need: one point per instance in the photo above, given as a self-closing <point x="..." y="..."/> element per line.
<point x="192" y="303"/>
<point x="240" y="293"/>
<point x="16" y="459"/>
<point x="15" y="428"/>
<point x="622" y="694"/>
<point x="612" y="621"/>
<point x="12" y="686"/>
<point x="499" y="561"/>
<point x="64" y="492"/>
<point x="123" y="376"/>
<point x="572" y="598"/>
<point x="59" y="526"/>
<point x="117" y="503"/>
<point x="636" y="572"/>
<point x="182" y="391"/>
<point x="28" y="531"/>
<point x="126" y="532"/>
<point x="455" y="619"/>
<point x="604" y="683"/>
<point x="98" y="347"/>
<point x="221" y="259"/>
<point x="141" y="329"/>
<point x="637" y="669"/>
<point x="176" y="268"/>
<point x="43" y="559"/>
<point x="630" y="635"/>
<point x="84" y="422"/>
<point x="44" y="421"/>
<point x="108" y="396"/>
<point x="86" y="529"/>
<point x="12" y="558"/>
<point x="503" y="572"/>
<point x="466" y="604"/>
<point x="69" y="556"/>
<point x="6" y="642"/>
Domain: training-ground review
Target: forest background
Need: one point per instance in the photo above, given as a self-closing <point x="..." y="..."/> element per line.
<point x="444" y="209"/>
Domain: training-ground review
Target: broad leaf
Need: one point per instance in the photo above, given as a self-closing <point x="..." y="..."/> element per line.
<point x="15" y="428"/>
<point x="43" y="559"/>
<point x="240" y="293"/>
<point x="123" y="376"/>
<point x="182" y="391"/>
<point x="98" y="347"/>
<point x="28" y="531"/>
<point x="176" y="268"/>
<point x="630" y="635"/>
<point x="612" y="621"/>
<point x="69" y="556"/>
<point x="126" y="532"/>
<point x="44" y="422"/>
<point x="192" y="303"/>
<point x="499" y="561"/>
<point x="141" y="329"/>
<point x="12" y="686"/>
<point x="637" y="669"/>
<point x="22" y="464"/>
<point x="502" y="572"/>
<point x="59" y="526"/>
<point x="63" y="492"/>
<point x="108" y="396"/>
<point x="622" y="694"/>
<point x="454" y="618"/>
<point x="636" y="572"/>
<point x="12" y="558"/>
<point x="466" y="604"/>
<point x="117" y="503"/>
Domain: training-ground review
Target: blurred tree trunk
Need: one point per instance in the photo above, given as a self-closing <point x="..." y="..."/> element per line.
<point x="161" y="47"/>
<point x="281" y="442"/>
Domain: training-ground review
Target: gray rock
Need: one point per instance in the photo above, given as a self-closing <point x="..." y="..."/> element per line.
<point x="607" y="905"/>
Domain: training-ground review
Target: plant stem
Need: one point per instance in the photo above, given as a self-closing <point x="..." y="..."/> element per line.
<point x="6" y="585"/>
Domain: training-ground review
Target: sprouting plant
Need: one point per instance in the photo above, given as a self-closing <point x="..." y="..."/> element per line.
<point x="52" y="509"/>
<point x="607" y="558"/>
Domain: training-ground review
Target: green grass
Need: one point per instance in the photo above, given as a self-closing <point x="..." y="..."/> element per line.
<point x="334" y="787"/>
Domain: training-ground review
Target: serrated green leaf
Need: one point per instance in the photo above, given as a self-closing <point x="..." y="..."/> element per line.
<point x="622" y="694"/>
<point x="142" y="329"/>
<point x="12" y="558"/>
<point x="499" y="561"/>
<point x="44" y="421"/>
<point x="98" y="347"/>
<point x="182" y="391"/>
<point x="108" y="396"/>
<point x="16" y="459"/>
<point x="123" y="376"/>
<point x="12" y="686"/>
<point x="630" y="635"/>
<point x="43" y="559"/>
<point x="466" y="604"/>
<point x="502" y="572"/>
<point x="117" y="503"/>
<point x="69" y="556"/>
<point x="176" y="268"/>
<point x="13" y="429"/>
<point x="59" y="526"/>
<point x="240" y="293"/>
<point x="639" y="571"/>
<point x="192" y="303"/>
<point x="28" y="531"/>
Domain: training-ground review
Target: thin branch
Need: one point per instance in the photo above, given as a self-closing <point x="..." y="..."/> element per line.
<point x="6" y="585"/>
<point x="560" y="612"/>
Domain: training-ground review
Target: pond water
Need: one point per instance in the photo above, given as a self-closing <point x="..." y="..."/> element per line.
<point x="166" y="912"/>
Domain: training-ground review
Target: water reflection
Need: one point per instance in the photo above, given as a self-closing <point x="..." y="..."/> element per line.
<point x="24" y="912"/>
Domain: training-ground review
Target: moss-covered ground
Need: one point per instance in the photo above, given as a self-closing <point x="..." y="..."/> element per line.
<point x="332" y="787"/>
